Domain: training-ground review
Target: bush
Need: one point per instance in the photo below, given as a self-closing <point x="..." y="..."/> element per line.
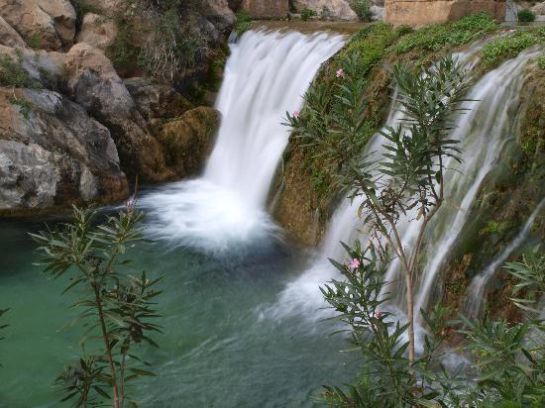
<point x="541" y="62"/>
<point x="526" y="16"/>
<point x="361" y="7"/>
<point x="503" y="48"/>
<point x="307" y="14"/>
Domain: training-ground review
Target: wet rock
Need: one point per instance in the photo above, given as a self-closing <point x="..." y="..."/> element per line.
<point x="53" y="153"/>
<point x="188" y="140"/>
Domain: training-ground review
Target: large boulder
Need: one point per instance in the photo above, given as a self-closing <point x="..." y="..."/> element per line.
<point x="219" y="14"/>
<point x="9" y="37"/>
<point x="336" y="9"/>
<point x="94" y="84"/>
<point x="47" y="24"/>
<point x="97" y="31"/>
<point x="156" y="100"/>
<point x="188" y="139"/>
<point x="53" y="153"/>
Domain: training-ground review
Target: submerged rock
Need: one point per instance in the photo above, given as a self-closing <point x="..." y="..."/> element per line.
<point x="52" y="153"/>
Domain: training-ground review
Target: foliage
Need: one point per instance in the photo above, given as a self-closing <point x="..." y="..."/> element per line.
<point x="361" y="8"/>
<point x="307" y="14"/>
<point x="25" y="107"/>
<point x="117" y="308"/>
<point x="34" y="41"/>
<point x="436" y="37"/>
<point x="541" y="62"/>
<point x="335" y="114"/>
<point x="387" y="378"/>
<point x="173" y="44"/>
<point x="526" y="16"/>
<point x="12" y="73"/>
<point x="244" y="22"/>
<point x="505" y="47"/>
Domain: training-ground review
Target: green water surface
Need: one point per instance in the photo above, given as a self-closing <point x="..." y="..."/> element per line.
<point x="218" y="349"/>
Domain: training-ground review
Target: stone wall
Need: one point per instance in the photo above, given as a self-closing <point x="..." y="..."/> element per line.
<point x="266" y="8"/>
<point x="422" y="12"/>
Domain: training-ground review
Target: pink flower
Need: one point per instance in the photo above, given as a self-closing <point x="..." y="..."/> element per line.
<point x="354" y="264"/>
<point x="378" y="315"/>
<point x="131" y="202"/>
<point x="296" y="114"/>
<point x="340" y="73"/>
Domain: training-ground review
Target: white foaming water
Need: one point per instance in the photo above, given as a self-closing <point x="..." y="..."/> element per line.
<point x="482" y="133"/>
<point x="476" y="296"/>
<point x="266" y="76"/>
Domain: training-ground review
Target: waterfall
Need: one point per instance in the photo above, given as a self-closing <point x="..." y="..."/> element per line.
<point x="479" y="285"/>
<point x="482" y="132"/>
<point x="267" y="75"/>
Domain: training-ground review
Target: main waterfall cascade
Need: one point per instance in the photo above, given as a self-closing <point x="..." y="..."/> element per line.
<point x="267" y="75"/>
<point x="483" y="132"/>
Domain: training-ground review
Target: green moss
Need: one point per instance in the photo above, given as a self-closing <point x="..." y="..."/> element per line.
<point x="122" y="52"/>
<point x="436" y="37"/>
<point x="12" y="74"/>
<point x="243" y="23"/>
<point x="541" y="62"/>
<point x="24" y="106"/>
<point x="506" y="47"/>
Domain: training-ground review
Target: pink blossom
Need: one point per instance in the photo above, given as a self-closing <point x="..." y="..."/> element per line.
<point x="378" y="315"/>
<point x="340" y="73"/>
<point x="131" y="203"/>
<point x="354" y="264"/>
<point x="296" y="114"/>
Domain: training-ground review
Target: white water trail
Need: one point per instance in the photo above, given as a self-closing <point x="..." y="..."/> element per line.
<point x="267" y="75"/>
<point x="478" y="288"/>
<point x="482" y="133"/>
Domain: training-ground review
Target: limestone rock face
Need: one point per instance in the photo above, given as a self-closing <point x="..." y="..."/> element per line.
<point x="9" y="37"/>
<point x="97" y="31"/>
<point x="94" y="84"/>
<point x="154" y="100"/>
<point x="421" y="12"/>
<point x="336" y="9"/>
<point x="51" y="24"/>
<point x="219" y="14"/>
<point x="52" y="152"/>
<point x="266" y="8"/>
<point x="188" y="139"/>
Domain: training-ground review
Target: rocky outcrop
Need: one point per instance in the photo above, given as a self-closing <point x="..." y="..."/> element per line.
<point x="188" y="140"/>
<point x="422" y="12"/>
<point x="9" y="37"/>
<point x="94" y="84"/>
<point x="333" y="9"/>
<point x="52" y="152"/>
<point x="156" y="100"/>
<point x="48" y="24"/>
<point x="266" y="9"/>
<point x="97" y="31"/>
<point x="219" y="14"/>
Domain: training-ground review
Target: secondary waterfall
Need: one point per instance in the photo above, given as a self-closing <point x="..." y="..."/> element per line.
<point x="267" y="75"/>
<point x="482" y="132"/>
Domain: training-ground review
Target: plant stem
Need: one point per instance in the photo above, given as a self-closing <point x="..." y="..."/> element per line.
<point x="117" y="397"/>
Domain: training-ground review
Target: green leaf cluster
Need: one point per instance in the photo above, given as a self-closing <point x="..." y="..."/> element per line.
<point x="117" y="307"/>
